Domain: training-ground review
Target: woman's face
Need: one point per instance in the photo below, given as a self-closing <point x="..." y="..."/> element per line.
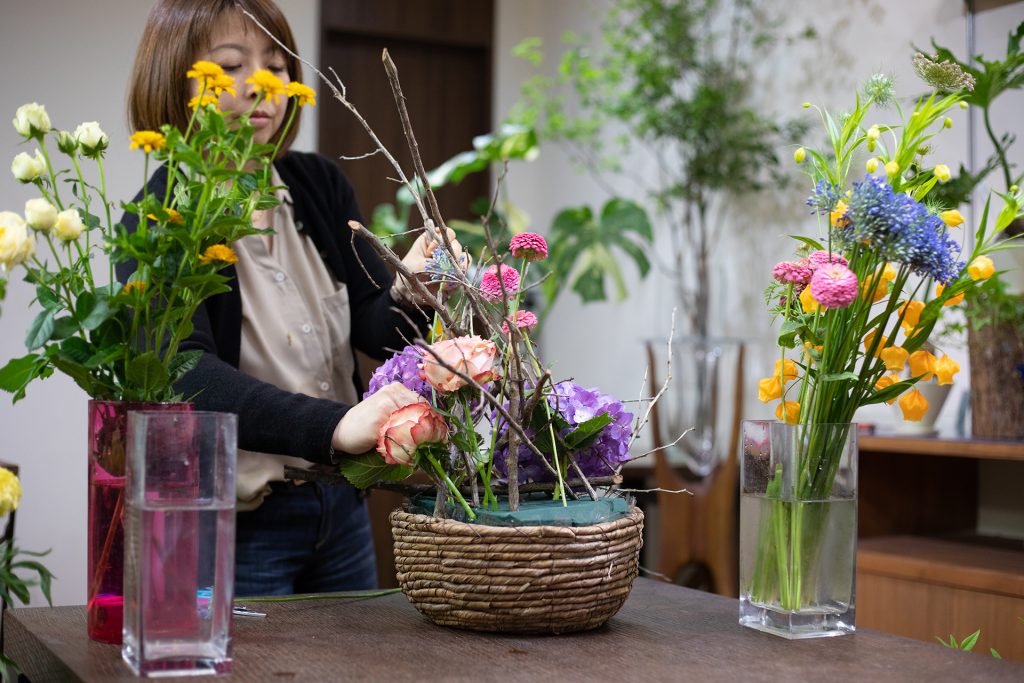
<point x="241" y="48"/>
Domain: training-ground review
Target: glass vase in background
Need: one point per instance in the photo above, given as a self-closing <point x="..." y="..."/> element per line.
<point x="179" y="542"/>
<point x="798" y="528"/>
<point x="108" y="421"/>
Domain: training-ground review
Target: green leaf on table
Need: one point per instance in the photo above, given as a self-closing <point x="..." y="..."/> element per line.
<point x="365" y="470"/>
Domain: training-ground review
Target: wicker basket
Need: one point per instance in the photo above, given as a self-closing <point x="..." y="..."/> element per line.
<point x="541" y="579"/>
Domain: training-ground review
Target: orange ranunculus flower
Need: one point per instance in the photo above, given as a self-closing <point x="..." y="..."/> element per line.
<point x="788" y="412"/>
<point x="911" y="312"/>
<point x="953" y="300"/>
<point x="221" y="253"/>
<point x="470" y="356"/>
<point x="886" y="381"/>
<point x="769" y="389"/>
<point x="914" y="405"/>
<point x="981" y="268"/>
<point x="945" y="368"/>
<point x="894" y="357"/>
<point x="408" y="428"/>
<point x="922" y="363"/>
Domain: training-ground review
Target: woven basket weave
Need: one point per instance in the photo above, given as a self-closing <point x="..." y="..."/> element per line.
<point x="541" y="579"/>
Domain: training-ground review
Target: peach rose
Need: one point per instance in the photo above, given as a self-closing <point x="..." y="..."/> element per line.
<point x="471" y="356"/>
<point x="408" y="428"/>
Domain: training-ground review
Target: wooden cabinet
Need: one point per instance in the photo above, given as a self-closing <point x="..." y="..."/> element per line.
<point x="922" y="569"/>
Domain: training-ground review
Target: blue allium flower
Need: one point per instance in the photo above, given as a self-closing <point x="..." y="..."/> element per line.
<point x="824" y="198"/>
<point x="900" y="228"/>
<point x="577" y="405"/>
<point x="402" y="367"/>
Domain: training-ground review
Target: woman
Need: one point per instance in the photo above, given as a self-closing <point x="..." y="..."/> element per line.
<point x="279" y="347"/>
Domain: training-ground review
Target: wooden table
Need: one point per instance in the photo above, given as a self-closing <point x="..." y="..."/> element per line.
<point x="663" y="633"/>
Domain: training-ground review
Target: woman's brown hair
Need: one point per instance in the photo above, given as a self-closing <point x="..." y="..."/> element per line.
<point x="176" y="32"/>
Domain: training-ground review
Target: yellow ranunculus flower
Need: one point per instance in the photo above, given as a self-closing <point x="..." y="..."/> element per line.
<point x="941" y="172"/>
<point x="788" y="412"/>
<point x="769" y="389"/>
<point x="10" y="491"/>
<point x="892" y="168"/>
<point x="302" y="93"/>
<point x="952" y="218"/>
<point x="788" y="370"/>
<point x="837" y="213"/>
<point x="148" y="140"/>
<point x="914" y="405"/>
<point x="911" y="312"/>
<point x="945" y="368"/>
<point x="886" y="381"/>
<point x="894" y="357"/>
<point x="807" y="301"/>
<point x="922" y="363"/>
<point x="221" y="253"/>
<point x="270" y="85"/>
<point x="952" y="301"/>
<point x="981" y="268"/>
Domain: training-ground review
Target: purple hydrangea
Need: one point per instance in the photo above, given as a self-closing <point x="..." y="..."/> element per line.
<point x="402" y="367"/>
<point x="577" y="405"/>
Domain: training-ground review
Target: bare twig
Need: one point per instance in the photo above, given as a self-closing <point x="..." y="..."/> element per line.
<point x="641" y="423"/>
<point x="659" y="448"/>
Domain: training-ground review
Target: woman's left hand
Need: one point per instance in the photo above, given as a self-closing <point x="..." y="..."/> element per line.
<point x="416" y="261"/>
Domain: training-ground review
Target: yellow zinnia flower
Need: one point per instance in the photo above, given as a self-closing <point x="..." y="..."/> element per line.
<point x="952" y="218"/>
<point x="886" y="381"/>
<point x="769" y="389"/>
<point x="205" y="72"/>
<point x="148" y="140"/>
<point x="981" y="268"/>
<point x="914" y="405"/>
<point x="894" y="357"/>
<point x="788" y="412"/>
<point x="911" y="312"/>
<point x="202" y="101"/>
<point x="172" y="217"/>
<point x="221" y="253"/>
<point x="10" y="491"/>
<point x="302" y="93"/>
<point x="221" y="83"/>
<point x="945" y="368"/>
<point x="134" y="286"/>
<point x="922" y="364"/>
<point x="807" y="301"/>
<point x="270" y="85"/>
<point x="953" y="300"/>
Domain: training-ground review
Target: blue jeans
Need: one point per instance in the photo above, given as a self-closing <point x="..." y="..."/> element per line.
<point x="305" y="538"/>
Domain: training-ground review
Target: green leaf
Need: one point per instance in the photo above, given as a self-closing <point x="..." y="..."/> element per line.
<point x="968" y="643"/>
<point x="889" y="393"/>
<point x="362" y="471"/>
<point x="788" y="333"/>
<point x="812" y="243"/>
<point x="622" y="216"/>
<point x="182" y="363"/>
<point x="64" y="327"/>
<point x="18" y="372"/>
<point x="838" y="377"/>
<point x="47" y="298"/>
<point x="40" y="330"/>
<point x="147" y="373"/>
<point x="587" y="431"/>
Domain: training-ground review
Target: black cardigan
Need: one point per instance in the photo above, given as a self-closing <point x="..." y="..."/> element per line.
<point x="271" y="420"/>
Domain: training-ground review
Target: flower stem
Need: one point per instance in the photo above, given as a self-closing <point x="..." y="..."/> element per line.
<point x="451" y="485"/>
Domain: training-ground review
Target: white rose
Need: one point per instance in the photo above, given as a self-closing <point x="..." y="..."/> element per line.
<point x="68" y="225"/>
<point x="40" y="214"/>
<point x="90" y="137"/>
<point x="31" y="119"/>
<point x="16" y="244"/>
<point x="26" y="168"/>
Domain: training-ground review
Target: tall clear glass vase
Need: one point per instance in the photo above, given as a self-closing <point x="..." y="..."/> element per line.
<point x="798" y="528"/>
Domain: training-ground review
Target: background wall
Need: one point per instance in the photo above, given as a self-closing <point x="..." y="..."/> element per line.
<point x="75" y="58"/>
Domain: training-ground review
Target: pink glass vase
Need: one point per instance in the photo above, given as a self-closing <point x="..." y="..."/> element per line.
<point x="108" y="422"/>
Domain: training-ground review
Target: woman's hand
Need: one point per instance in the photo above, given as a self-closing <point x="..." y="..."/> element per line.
<point x="416" y="261"/>
<point x="357" y="431"/>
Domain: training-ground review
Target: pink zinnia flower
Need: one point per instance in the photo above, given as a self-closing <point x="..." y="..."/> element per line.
<point x="834" y="286"/>
<point x="797" y="272"/>
<point x="524" y="320"/>
<point x="529" y="246"/>
<point x="821" y="258"/>
<point x="490" y="287"/>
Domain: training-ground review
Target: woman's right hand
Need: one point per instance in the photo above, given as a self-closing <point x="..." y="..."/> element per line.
<point x="357" y="431"/>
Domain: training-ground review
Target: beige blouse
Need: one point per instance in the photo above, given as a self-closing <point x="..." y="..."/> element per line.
<point x="296" y="330"/>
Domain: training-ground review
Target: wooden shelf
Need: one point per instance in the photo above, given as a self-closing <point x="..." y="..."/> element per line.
<point x="955" y="448"/>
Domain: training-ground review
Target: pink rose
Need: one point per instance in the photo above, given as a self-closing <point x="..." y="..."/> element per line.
<point x="471" y="356"/>
<point x="408" y="428"/>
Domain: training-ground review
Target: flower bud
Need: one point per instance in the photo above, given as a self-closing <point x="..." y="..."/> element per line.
<point x="806" y="105"/>
<point x="981" y="268"/>
<point x="68" y="226"/>
<point x="952" y="218"/>
<point x="892" y="168"/>
<point x="964" y="105"/>
<point x="66" y="142"/>
<point x="871" y="145"/>
<point x="799" y="155"/>
<point x="1013" y="189"/>
<point x="40" y="214"/>
<point x="942" y="173"/>
<point x="26" y="168"/>
<point x="873" y="133"/>
<point x="947" y="122"/>
<point x="16" y="244"/>
<point x="91" y="138"/>
<point x="872" y="165"/>
<point x="31" y="120"/>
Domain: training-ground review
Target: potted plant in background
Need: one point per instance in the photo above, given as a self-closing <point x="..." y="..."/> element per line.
<point x="121" y="342"/>
<point x="682" y="92"/>
<point x="857" y="306"/>
<point x="994" y="314"/>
